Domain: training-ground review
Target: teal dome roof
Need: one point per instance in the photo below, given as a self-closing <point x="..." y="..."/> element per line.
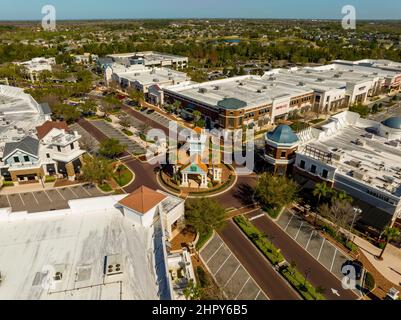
<point x="283" y="134"/>
<point x="393" y="123"/>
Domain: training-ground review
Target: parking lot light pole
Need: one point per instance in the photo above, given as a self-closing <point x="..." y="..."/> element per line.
<point x="356" y="212"/>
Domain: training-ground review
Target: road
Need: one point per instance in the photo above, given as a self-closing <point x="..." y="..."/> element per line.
<point x="275" y="287"/>
<point x="241" y="196"/>
<point x="292" y="251"/>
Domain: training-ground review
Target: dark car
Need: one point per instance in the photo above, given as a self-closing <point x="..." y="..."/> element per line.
<point x="150" y="111"/>
<point x="356" y="265"/>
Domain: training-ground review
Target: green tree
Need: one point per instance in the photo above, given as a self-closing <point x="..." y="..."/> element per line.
<point x="275" y="192"/>
<point x="389" y="234"/>
<point x="340" y="212"/>
<point x="204" y="214"/>
<point x="320" y="190"/>
<point x="66" y="112"/>
<point x="111" y="148"/>
<point x="363" y="110"/>
<point x="192" y="291"/>
<point x="88" y="107"/>
<point x="96" y="170"/>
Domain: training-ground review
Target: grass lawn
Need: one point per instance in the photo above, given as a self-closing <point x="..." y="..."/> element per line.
<point x="203" y="238"/>
<point x="105" y="187"/>
<point x="123" y="177"/>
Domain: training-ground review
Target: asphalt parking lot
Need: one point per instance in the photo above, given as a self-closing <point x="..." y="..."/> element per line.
<point x="111" y="132"/>
<point x="228" y="272"/>
<point x="161" y="119"/>
<point x="47" y="200"/>
<point x="85" y="135"/>
<point x="322" y="250"/>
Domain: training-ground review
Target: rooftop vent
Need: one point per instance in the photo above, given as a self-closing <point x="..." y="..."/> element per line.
<point x="216" y="87"/>
<point x="202" y="90"/>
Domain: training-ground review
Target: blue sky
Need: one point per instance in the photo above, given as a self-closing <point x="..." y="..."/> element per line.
<point x="137" y="9"/>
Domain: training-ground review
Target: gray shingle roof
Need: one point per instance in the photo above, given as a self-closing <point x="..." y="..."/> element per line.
<point x="28" y="144"/>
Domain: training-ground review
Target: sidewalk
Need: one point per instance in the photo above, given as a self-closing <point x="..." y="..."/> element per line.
<point x="390" y="267"/>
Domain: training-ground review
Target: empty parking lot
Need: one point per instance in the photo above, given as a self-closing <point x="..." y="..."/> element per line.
<point x="46" y="200"/>
<point x="112" y="132"/>
<point x="228" y="272"/>
<point x="307" y="237"/>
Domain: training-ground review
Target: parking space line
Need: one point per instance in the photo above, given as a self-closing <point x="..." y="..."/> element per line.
<point x="229" y="256"/>
<point x="232" y="276"/>
<point x="215" y="252"/>
<point x="47" y="196"/>
<point x="334" y="258"/>
<point x="35" y="198"/>
<point x="310" y="238"/>
<point x="60" y="194"/>
<point x="8" y="200"/>
<point x="292" y="216"/>
<point x="298" y="231"/>
<point x="23" y="203"/>
<point x="73" y="192"/>
<point x="239" y="293"/>
<point x="258" y="294"/>
<point x="257" y="217"/>
<point x="87" y="192"/>
<point x="321" y="248"/>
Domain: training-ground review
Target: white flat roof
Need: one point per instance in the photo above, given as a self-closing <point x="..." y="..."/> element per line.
<point x="376" y="159"/>
<point x="149" y="76"/>
<point x="17" y="110"/>
<point x="75" y="242"/>
<point x="254" y="90"/>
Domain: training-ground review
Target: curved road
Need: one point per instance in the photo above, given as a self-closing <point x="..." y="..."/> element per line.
<point x="240" y="196"/>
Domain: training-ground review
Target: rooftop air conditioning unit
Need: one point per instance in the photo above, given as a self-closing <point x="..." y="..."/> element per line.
<point x="358" y="175"/>
<point x="113" y="265"/>
<point x="217" y="88"/>
<point x="394" y="143"/>
<point x="202" y="90"/>
<point x="259" y="91"/>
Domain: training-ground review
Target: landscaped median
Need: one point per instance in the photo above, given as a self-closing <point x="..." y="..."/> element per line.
<point x="294" y="277"/>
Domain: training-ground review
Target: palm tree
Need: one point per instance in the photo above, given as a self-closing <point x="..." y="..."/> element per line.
<point x="389" y="234"/>
<point x="321" y="190"/>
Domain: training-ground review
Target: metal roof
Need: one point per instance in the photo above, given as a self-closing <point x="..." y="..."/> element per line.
<point x="283" y="134"/>
<point x="393" y="122"/>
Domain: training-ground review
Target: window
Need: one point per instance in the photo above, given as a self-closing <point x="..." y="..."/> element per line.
<point x="72" y="146"/>
<point x="48" y="155"/>
<point x="302" y="164"/>
<point x="325" y="174"/>
<point x="313" y="168"/>
<point x="26" y="158"/>
<point x="16" y="159"/>
<point x="58" y="148"/>
<point x="283" y="154"/>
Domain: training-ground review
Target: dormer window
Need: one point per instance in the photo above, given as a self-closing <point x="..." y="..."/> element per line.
<point x="16" y="159"/>
<point x="72" y="146"/>
<point x="58" y="148"/>
<point x="26" y="158"/>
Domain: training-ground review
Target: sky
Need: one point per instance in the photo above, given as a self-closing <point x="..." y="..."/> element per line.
<point x="144" y="9"/>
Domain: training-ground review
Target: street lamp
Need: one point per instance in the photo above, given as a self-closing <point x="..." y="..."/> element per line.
<point x="356" y="212"/>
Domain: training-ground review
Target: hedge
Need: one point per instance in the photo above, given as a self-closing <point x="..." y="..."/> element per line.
<point x="265" y="246"/>
<point x="304" y="288"/>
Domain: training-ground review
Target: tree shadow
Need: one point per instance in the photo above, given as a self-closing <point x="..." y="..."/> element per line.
<point x="244" y="192"/>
